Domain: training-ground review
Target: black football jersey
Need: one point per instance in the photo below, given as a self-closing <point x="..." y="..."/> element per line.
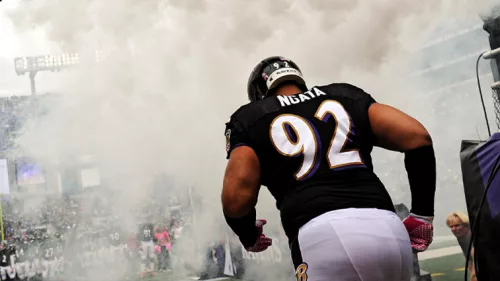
<point x="21" y="252"/>
<point x="12" y="252"/>
<point x="5" y="257"/>
<point x="48" y="250"/>
<point x="314" y="151"/>
<point x="146" y="232"/>
<point x="115" y="237"/>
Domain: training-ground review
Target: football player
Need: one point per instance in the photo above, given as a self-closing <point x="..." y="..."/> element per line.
<point x="5" y="268"/>
<point x="58" y="243"/>
<point x="31" y="253"/>
<point x="47" y="252"/>
<point x="115" y="240"/>
<point x="12" y="257"/>
<point x="146" y="238"/>
<point x="311" y="148"/>
<point x="37" y="261"/>
<point x="22" y="263"/>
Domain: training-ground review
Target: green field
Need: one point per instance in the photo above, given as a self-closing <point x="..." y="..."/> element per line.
<point x="447" y="268"/>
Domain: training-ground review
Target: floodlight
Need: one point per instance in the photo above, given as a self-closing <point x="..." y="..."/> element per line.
<point x="47" y="62"/>
<point x="32" y="65"/>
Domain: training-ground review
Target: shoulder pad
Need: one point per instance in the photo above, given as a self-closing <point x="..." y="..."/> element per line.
<point x="347" y="86"/>
<point x="344" y="90"/>
<point x="248" y="114"/>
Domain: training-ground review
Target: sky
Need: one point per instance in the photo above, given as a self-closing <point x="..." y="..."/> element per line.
<point x="16" y="43"/>
<point x="9" y="45"/>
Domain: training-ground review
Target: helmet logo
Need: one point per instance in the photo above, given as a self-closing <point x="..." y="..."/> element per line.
<point x="280" y="73"/>
<point x="271" y="72"/>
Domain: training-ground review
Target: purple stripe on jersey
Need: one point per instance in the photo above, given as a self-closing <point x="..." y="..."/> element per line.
<point x="352" y="131"/>
<point x="319" y="152"/>
<point x="290" y="132"/>
<point x="327" y="117"/>
<point x="353" y="166"/>
<point x="486" y="156"/>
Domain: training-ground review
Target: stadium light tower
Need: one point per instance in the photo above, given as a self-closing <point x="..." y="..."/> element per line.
<point x="32" y="65"/>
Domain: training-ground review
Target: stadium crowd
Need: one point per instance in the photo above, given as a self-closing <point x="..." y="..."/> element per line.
<point x="82" y="237"/>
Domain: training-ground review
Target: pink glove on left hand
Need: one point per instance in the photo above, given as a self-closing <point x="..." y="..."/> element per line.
<point x="420" y="230"/>
<point x="262" y="242"/>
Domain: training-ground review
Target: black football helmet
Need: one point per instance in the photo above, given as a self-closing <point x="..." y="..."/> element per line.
<point x="270" y="73"/>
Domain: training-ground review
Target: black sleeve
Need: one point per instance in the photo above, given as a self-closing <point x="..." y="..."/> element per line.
<point x="368" y="100"/>
<point x="236" y="135"/>
<point x="241" y="128"/>
<point x="362" y="99"/>
<point x="359" y="94"/>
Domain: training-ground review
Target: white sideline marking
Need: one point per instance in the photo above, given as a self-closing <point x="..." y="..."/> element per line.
<point x="443" y="238"/>
<point x="431" y="254"/>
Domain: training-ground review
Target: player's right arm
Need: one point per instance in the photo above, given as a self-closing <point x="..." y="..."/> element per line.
<point x="395" y="130"/>
<point x="241" y="187"/>
<point x="241" y="183"/>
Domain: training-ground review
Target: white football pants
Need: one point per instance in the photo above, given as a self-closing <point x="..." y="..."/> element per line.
<point x="353" y="245"/>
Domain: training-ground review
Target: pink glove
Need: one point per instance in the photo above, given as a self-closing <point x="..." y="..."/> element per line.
<point x="262" y="242"/>
<point x="157" y="249"/>
<point x="421" y="231"/>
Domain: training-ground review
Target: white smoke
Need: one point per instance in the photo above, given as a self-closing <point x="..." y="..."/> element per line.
<point x="175" y="70"/>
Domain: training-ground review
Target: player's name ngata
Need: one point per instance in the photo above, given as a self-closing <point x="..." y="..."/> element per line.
<point x="302" y="97"/>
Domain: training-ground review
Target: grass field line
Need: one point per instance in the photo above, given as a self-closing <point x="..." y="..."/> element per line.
<point x="437" y="253"/>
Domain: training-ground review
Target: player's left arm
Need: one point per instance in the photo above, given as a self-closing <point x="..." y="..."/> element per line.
<point x="239" y="193"/>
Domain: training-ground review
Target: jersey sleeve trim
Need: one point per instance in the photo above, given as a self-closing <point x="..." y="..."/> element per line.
<point x="235" y="146"/>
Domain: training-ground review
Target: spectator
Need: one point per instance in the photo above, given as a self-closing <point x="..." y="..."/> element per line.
<point x="210" y="271"/>
<point x="163" y="245"/>
<point x="458" y="222"/>
<point x="220" y="256"/>
<point x="176" y="230"/>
